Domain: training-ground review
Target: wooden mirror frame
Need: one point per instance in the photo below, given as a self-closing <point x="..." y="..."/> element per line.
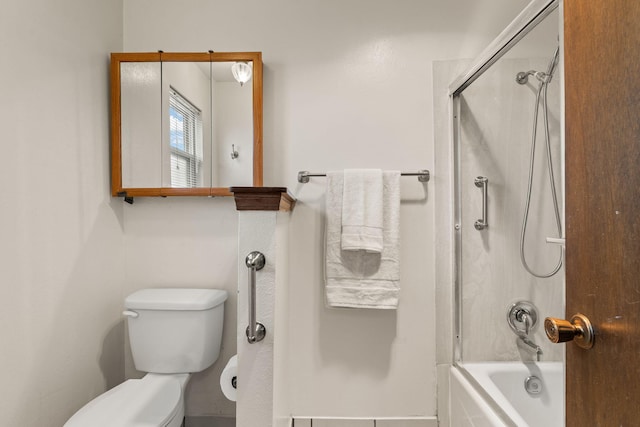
<point x="116" y="120"/>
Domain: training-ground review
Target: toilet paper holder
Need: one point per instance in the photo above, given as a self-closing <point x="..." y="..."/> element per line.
<point x="255" y="331"/>
<point x="229" y="379"/>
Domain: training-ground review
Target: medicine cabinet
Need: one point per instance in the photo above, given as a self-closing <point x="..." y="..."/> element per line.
<point x="182" y="125"/>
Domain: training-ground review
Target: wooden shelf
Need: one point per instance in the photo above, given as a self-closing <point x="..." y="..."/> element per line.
<point x="263" y="199"/>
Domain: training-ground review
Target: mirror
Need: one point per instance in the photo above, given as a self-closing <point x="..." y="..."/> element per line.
<point x="182" y="125"/>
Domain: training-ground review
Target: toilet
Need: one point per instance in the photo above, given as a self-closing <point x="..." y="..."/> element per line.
<point x="172" y="333"/>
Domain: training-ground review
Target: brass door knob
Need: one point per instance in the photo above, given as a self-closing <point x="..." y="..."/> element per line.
<point x="578" y="329"/>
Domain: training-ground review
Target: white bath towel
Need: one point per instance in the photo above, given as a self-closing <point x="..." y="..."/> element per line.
<point x="361" y="279"/>
<point x="362" y="210"/>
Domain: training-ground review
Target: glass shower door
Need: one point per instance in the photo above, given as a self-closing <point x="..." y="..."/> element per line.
<point x="493" y="154"/>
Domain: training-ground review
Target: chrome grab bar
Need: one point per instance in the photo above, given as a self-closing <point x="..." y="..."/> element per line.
<point x="482" y="182"/>
<point x="255" y="331"/>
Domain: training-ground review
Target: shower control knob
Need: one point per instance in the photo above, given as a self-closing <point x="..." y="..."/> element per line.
<point x="578" y="330"/>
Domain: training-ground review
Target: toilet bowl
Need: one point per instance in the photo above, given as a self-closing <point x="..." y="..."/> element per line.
<point x="155" y="400"/>
<point x="173" y="333"/>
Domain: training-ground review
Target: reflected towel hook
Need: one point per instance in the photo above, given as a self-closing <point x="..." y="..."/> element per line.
<point x="234" y="152"/>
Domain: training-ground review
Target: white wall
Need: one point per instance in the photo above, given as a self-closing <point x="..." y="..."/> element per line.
<point x="141" y="107"/>
<point x="264" y="232"/>
<point x="233" y="125"/>
<point x="347" y="84"/>
<point x="61" y="233"/>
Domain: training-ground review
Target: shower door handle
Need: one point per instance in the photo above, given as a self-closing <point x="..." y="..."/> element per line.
<point x="482" y="182"/>
<point x="255" y="331"/>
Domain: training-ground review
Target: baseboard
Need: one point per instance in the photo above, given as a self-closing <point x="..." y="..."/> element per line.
<point x="365" y="422"/>
<point x="210" y="422"/>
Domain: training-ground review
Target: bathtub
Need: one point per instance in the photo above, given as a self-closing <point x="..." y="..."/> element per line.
<point x="494" y="395"/>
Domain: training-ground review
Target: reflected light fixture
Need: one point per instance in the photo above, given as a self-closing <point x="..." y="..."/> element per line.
<point x="241" y="72"/>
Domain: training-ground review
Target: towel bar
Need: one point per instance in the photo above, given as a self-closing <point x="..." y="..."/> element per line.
<point x="423" y="175"/>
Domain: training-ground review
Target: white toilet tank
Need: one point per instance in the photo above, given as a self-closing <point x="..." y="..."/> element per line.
<point x="175" y="330"/>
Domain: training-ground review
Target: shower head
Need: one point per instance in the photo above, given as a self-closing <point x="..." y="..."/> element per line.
<point x="523" y="76"/>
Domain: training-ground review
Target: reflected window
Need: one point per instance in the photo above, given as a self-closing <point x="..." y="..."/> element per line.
<point x="185" y="140"/>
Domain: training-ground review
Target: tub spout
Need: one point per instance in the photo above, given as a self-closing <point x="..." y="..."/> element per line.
<point x="534" y="346"/>
<point x="522" y="317"/>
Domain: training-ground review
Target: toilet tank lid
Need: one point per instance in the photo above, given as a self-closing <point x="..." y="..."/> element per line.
<point x="175" y="299"/>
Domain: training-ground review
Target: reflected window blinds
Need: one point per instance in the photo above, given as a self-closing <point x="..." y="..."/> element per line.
<point x="185" y="141"/>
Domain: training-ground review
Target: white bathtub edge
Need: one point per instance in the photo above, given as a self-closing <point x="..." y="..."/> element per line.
<point x="500" y="387"/>
<point x="467" y="406"/>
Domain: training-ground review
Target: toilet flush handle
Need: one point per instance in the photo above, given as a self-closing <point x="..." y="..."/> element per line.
<point x="130" y="313"/>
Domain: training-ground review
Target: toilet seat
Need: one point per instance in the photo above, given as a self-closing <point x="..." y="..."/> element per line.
<point x="153" y="401"/>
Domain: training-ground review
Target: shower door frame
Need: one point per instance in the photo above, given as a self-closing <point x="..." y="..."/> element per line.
<point x="529" y="18"/>
<point x="532" y="15"/>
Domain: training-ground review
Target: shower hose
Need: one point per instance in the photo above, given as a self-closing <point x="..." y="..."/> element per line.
<point x="544" y="79"/>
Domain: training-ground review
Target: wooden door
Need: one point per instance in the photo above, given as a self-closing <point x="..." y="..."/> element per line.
<point x="602" y="78"/>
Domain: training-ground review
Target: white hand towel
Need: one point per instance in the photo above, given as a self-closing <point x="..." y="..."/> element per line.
<point x="362" y="210"/>
<point x="361" y="279"/>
